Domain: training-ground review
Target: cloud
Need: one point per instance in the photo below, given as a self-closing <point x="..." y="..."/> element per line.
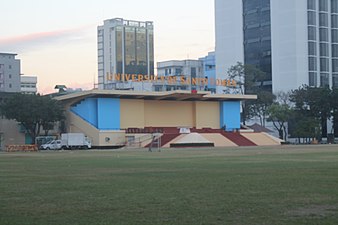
<point x="37" y="40"/>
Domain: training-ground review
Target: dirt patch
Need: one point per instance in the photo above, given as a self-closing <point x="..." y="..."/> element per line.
<point x="314" y="211"/>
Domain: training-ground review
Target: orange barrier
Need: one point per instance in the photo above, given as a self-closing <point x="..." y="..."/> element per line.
<point x="24" y="148"/>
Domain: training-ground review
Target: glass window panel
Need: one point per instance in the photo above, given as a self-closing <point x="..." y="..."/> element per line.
<point x="312" y="48"/>
<point x="323" y="19"/>
<point x="313" y="79"/>
<point x="323" y="34"/>
<point x="312" y="64"/>
<point x="335" y="65"/>
<point x="311" y="4"/>
<point x="324" y="64"/>
<point x="334" y="6"/>
<point x="334" y="21"/>
<point x="324" y="49"/>
<point x="334" y="33"/>
<point x="119" y="54"/>
<point x="335" y="80"/>
<point x="324" y="80"/>
<point x="311" y="17"/>
<point x="334" y="50"/>
<point x="323" y="5"/>
<point x="312" y="33"/>
<point x="130" y="50"/>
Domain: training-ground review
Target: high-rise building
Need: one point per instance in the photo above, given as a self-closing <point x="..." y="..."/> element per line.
<point x="124" y="47"/>
<point x="9" y="73"/>
<point x="293" y="42"/>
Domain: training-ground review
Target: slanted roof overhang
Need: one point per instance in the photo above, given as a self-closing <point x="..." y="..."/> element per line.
<point x="178" y="95"/>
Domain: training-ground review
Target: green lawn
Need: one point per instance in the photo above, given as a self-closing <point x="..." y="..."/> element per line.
<point x="277" y="185"/>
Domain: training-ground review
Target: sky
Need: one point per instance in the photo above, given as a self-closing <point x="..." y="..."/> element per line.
<point x="56" y="40"/>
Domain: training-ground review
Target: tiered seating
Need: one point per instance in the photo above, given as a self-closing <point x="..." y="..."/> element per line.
<point x="238" y="139"/>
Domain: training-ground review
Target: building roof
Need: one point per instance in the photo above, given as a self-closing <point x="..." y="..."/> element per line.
<point x="258" y="128"/>
<point x="177" y="95"/>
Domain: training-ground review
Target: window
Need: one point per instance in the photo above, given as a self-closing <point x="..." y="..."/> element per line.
<point x="335" y="80"/>
<point x="334" y="21"/>
<point x="334" y="36"/>
<point x="323" y="19"/>
<point x="9" y="66"/>
<point x="312" y="33"/>
<point x="324" y="80"/>
<point x="335" y="65"/>
<point x="311" y="17"/>
<point x="10" y="76"/>
<point x="324" y="49"/>
<point x="323" y="34"/>
<point x="312" y="48"/>
<point x="312" y="79"/>
<point x="324" y="65"/>
<point x="323" y="5"/>
<point x="312" y="64"/>
<point x="334" y="50"/>
<point x="10" y="85"/>
<point x="334" y="6"/>
<point x="311" y="4"/>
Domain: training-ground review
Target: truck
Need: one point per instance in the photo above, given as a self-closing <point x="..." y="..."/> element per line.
<point x="68" y="141"/>
<point x="75" y="141"/>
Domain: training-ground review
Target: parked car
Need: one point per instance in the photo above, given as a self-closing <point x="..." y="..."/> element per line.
<point x="52" y="145"/>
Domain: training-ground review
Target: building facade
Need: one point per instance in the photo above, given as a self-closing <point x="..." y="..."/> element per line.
<point x="189" y="68"/>
<point x="124" y="47"/>
<point x="293" y="42"/>
<point x="209" y="69"/>
<point x="9" y="73"/>
<point x="28" y="84"/>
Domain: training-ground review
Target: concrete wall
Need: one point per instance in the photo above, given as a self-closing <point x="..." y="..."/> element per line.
<point x="169" y="114"/>
<point x="132" y="113"/>
<point x="207" y="115"/>
<point x="230" y="115"/>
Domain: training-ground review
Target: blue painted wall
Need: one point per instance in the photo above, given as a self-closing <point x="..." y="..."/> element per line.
<point x="231" y="115"/>
<point x="87" y="110"/>
<point x="108" y="114"/>
<point x="102" y="113"/>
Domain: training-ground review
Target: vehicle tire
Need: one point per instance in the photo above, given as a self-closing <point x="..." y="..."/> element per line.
<point x="85" y="147"/>
<point x="47" y="148"/>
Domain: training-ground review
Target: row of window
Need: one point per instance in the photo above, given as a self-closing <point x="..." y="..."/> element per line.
<point x="323" y="19"/>
<point x="323" y="49"/>
<point x="324" y="80"/>
<point x="323" y="34"/>
<point x="323" y="5"/>
<point x="3" y="85"/>
<point x="324" y="64"/>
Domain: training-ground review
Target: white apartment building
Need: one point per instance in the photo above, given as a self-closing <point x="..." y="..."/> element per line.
<point x="9" y="73"/>
<point x="176" y="68"/>
<point x="294" y="42"/>
<point x="28" y="84"/>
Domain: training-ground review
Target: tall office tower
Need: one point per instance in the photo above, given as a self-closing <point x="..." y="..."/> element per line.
<point x="9" y="73"/>
<point x="124" y="47"/>
<point x="293" y="42"/>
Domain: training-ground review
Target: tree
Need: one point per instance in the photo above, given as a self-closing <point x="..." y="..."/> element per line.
<point x="249" y="80"/>
<point x="279" y="115"/>
<point x="33" y="112"/>
<point x="314" y="102"/>
<point x="260" y="106"/>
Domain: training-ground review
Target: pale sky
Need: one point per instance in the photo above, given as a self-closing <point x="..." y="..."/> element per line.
<point x="56" y="40"/>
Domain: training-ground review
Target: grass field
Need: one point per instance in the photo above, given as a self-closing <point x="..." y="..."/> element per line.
<point x="277" y="185"/>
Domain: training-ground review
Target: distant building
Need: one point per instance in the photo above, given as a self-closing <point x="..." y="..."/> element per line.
<point x="188" y="68"/>
<point x="28" y="84"/>
<point x="295" y="42"/>
<point x="209" y="67"/>
<point x="124" y="47"/>
<point x="9" y="73"/>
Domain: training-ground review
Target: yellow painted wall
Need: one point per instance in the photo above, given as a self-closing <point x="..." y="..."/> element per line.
<point x="169" y="114"/>
<point x="207" y="115"/>
<point x="132" y="113"/>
